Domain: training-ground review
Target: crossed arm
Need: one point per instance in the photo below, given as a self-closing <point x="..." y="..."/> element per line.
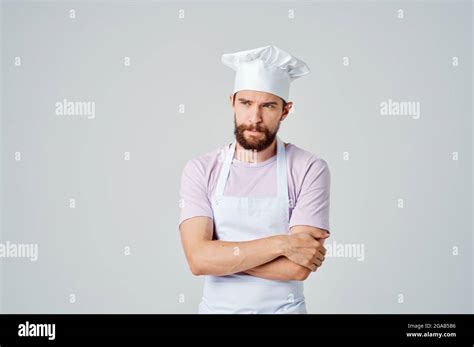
<point x="282" y="268"/>
<point x="267" y="258"/>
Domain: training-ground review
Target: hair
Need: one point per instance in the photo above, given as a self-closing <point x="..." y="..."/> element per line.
<point x="283" y="101"/>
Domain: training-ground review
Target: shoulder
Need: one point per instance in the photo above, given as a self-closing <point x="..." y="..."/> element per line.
<point x="301" y="159"/>
<point x="204" y="163"/>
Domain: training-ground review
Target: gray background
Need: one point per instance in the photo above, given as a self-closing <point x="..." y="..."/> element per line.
<point x="176" y="61"/>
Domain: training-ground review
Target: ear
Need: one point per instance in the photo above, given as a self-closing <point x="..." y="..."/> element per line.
<point x="286" y="112"/>
<point x="230" y="99"/>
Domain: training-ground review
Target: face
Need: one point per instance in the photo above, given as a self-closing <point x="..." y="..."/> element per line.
<point x="257" y="117"/>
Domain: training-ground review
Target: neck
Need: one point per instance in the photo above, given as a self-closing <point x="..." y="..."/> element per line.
<point x="251" y="156"/>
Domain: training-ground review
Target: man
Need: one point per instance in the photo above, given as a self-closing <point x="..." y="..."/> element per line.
<point x="255" y="214"/>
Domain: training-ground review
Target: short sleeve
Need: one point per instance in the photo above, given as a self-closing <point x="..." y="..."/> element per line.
<point x="312" y="205"/>
<point x="194" y="200"/>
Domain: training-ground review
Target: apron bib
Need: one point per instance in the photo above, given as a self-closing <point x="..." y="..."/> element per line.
<point x="244" y="219"/>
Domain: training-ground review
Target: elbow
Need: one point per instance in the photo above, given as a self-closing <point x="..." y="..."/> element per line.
<point x="196" y="265"/>
<point x="196" y="271"/>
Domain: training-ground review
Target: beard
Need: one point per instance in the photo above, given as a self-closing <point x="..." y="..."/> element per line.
<point x="257" y="142"/>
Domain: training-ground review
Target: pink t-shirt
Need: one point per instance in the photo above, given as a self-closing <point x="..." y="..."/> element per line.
<point x="308" y="184"/>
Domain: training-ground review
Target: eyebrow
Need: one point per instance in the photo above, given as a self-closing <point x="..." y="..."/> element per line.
<point x="263" y="103"/>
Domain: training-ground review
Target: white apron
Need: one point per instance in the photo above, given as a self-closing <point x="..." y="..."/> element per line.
<point x="250" y="218"/>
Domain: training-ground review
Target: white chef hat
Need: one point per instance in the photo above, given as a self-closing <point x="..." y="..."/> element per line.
<point x="267" y="69"/>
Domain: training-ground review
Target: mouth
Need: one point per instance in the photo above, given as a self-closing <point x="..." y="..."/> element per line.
<point x="251" y="132"/>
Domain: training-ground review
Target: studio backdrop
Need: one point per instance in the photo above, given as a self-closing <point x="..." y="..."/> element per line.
<point x="104" y="102"/>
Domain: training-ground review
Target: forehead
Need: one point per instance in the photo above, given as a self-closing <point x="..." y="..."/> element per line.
<point x="254" y="95"/>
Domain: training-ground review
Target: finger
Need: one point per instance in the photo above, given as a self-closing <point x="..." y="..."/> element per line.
<point x="322" y="250"/>
<point x="319" y="256"/>
<point x="306" y="263"/>
<point x="318" y="262"/>
<point x="310" y="264"/>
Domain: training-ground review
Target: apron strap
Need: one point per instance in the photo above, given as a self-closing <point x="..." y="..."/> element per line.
<point x="229" y="156"/>
<point x="282" y="180"/>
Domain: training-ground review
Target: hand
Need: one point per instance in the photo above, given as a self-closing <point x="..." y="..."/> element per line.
<point x="303" y="249"/>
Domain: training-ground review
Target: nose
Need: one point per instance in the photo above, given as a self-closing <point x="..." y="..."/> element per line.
<point x="255" y="115"/>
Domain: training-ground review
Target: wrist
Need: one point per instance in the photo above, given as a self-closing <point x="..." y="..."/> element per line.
<point x="281" y="244"/>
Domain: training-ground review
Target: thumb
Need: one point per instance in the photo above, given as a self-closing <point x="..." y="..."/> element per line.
<point x="320" y="234"/>
<point x="326" y="234"/>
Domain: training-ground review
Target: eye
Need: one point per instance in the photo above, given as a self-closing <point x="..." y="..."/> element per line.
<point x="270" y="106"/>
<point x="244" y="102"/>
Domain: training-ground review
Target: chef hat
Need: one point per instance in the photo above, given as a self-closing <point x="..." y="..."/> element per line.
<point x="267" y="69"/>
